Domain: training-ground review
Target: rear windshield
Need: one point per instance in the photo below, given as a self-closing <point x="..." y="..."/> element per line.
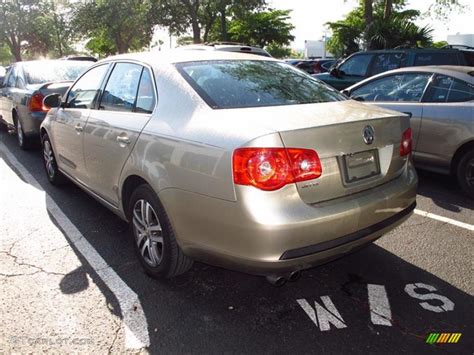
<point x="40" y="72"/>
<point x="251" y="83"/>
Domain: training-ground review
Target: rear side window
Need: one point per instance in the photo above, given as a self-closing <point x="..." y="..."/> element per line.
<point x="447" y="89"/>
<point x="146" y="94"/>
<point x="385" y="62"/>
<point x="248" y="83"/>
<point x="83" y="94"/>
<point x="121" y="89"/>
<point x="436" y="59"/>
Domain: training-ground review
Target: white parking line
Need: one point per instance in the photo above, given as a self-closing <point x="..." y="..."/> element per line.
<point x="467" y="226"/>
<point x="134" y="320"/>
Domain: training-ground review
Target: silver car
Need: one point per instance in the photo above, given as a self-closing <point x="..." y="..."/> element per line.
<point x="23" y="89"/>
<point x="232" y="159"/>
<point x="440" y="102"/>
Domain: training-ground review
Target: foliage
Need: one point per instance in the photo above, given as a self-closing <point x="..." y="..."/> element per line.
<point x="5" y="55"/>
<point x="17" y="18"/>
<point x="398" y="29"/>
<point x="115" y="29"/>
<point x="278" y="51"/>
<point x="263" y="28"/>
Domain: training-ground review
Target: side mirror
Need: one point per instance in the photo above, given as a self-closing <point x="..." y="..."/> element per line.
<point x="51" y="101"/>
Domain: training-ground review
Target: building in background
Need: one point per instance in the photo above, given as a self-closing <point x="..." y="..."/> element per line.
<point x="316" y="49"/>
<point x="461" y="39"/>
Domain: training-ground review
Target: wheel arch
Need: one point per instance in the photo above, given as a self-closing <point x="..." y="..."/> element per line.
<point x="128" y="186"/>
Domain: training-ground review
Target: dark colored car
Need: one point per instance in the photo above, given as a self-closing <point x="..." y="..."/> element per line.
<point x="24" y="87"/>
<point x="362" y="65"/>
<point x="314" y="66"/>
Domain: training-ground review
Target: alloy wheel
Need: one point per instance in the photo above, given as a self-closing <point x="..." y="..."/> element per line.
<point x="470" y="173"/>
<point x="19" y="132"/>
<point x="49" y="159"/>
<point x="148" y="233"/>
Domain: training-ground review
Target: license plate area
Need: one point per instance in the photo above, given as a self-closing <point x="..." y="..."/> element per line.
<point x="360" y="166"/>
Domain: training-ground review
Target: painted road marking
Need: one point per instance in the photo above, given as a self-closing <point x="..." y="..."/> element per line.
<point x="134" y="320"/>
<point x="322" y="316"/>
<point x="380" y="312"/>
<point x="447" y="305"/>
<point x="445" y="219"/>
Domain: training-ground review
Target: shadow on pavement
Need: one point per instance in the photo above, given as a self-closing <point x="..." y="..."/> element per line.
<point x="211" y="310"/>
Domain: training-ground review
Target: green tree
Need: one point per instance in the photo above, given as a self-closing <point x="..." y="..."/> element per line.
<point x="5" y="54"/>
<point x="112" y="29"/>
<point x="263" y="28"/>
<point x="278" y="51"/>
<point x="206" y="18"/>
<point x="17" y="18"/>
<point x="398" y="29"/>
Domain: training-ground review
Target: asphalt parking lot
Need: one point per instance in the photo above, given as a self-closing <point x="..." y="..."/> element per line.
<point x="70" y="282"/>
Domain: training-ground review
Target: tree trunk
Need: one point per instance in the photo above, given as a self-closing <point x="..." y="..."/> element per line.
<point x="16" y="51"/>
<point x="388" y="9"/>
<point x="224" y="35"/>
<point x="369" y="19"/>
<point x="15" y="47"/>
<point x="196" y="31"/>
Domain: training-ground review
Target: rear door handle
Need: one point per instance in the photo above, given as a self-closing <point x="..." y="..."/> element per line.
<point x="123" y="139"/>
<point x="409" y="114"/>
<point x="79" y="128"/>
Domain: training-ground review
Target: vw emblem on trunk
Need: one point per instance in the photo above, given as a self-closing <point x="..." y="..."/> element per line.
<point x="369" y="134"/>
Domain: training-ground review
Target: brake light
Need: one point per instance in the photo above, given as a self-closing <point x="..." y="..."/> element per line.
<point x="36" y="103"/>
<point x="270" y="169"/>
<point x="406" y="144"/>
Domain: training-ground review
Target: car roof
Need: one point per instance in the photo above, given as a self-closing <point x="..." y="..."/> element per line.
<point x="459" y="72"/>
<point x="182" y="56"/>
<point x="416" y="50"/>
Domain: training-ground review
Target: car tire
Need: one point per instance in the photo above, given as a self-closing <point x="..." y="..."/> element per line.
<point x="154" y="239"/>
<point x="55" y="177"/>
<point x="465" y="173"/>
<point x="23" y="140"/>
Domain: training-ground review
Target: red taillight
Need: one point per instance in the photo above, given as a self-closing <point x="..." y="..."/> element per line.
<point x="406" y="143"/>
<point x="272" y="168"/>
<point x="36" y="103"/>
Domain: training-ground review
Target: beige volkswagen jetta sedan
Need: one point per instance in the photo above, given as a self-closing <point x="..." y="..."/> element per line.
<point x="231" y="159"/>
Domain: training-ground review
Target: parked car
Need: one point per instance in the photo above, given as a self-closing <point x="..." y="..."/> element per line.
<point x="236" y="160"/>
<point x="227" y="47"/>
<point x="314" y="66"/>
<point x="23" y="90"/>
<point x="440" y="102"/>
<point x="362" y="65"/>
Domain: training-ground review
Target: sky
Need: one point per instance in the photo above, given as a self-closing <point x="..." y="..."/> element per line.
<point x="309" y="17"/>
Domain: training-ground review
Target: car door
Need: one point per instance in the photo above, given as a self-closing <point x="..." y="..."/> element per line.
<point x="111" y="131"/>
<point x="6" y="96"/>
<point x="399" y="92"/>
<point x="447" y="122"/>
<point x="71" y="117"/>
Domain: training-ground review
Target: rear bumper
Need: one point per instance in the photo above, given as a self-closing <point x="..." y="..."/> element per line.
<point x="265" y="233"/>
<point x="31" y="123"/>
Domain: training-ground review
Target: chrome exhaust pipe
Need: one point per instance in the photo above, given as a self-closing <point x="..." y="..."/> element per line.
<point x="294" y="276"/>
<point x="276" y="280"/>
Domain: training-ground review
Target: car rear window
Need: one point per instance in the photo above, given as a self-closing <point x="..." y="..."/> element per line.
<point x="249" y="83"/>
<point x="40" y="72"/>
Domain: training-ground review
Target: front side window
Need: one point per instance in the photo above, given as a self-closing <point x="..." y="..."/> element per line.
<point x="249" y="83"/>
<point x="84" y="92"/>
<point x="356" y="65"/>
<point x="408" y="87"/>
<point x="447" y="89"/>
<point x="121" y="89"/>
